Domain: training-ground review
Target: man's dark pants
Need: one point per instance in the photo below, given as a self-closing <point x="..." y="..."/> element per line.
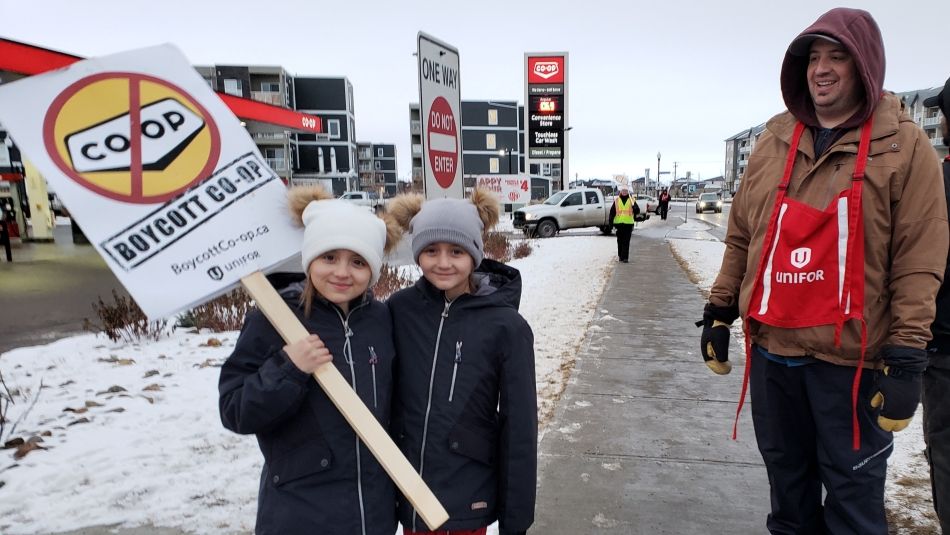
<point x="936" y="399"/>
<point x="623" y="240"/>
<point x="802" y="420"/>
<point x="664" y="209"/>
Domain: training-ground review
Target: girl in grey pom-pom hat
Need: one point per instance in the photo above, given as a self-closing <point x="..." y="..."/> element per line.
<point x="317" y="476"/>
<point x="465" y="412"/>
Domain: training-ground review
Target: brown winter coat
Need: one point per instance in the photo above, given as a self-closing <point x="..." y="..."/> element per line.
<point x="905" y="225"/>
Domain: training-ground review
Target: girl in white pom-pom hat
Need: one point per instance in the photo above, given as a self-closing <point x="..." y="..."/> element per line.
<point x="318" y="477"/>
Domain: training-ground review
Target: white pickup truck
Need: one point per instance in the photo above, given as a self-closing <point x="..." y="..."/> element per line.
<point x="369" y="199"/>
<point x="573" y="208"/>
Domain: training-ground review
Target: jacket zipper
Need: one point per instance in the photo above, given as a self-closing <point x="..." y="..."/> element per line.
<point x="455" y="368"/>
<point x="373" y="361"/>
<point x="425" y="425"/>
<point x="348" y="356"/>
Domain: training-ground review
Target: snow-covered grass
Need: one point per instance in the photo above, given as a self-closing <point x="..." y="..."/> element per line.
<point x="131" y="432"/>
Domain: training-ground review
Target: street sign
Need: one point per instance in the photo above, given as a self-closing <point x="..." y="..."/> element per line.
<point x="440" y="101"/>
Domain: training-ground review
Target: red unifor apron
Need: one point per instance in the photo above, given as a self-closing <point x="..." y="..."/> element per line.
<point x="811" y="270"/>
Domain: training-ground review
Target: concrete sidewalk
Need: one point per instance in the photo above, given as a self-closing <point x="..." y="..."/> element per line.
<point x="640" y="442"/>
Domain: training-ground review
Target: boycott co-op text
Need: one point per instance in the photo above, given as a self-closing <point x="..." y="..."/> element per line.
<point x="163" y="227"/>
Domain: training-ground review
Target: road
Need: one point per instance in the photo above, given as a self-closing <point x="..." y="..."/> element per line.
<point x="49" y="288"/>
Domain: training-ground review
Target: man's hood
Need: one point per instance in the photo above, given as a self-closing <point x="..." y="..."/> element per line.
<point x="860" y="35"/>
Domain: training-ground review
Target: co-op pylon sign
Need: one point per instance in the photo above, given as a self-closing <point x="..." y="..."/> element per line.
<point x="156" y="170"/>
<point x="440" y="109"/>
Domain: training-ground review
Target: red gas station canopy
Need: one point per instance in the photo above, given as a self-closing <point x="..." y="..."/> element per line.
<point x="22" y="58"/>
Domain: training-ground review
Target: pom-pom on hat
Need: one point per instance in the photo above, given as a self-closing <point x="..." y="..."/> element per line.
<point x="331" y="224"/>
<point x="456" y="221"/>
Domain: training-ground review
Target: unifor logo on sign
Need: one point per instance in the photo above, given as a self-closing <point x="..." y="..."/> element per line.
<point x="131" y="137"/>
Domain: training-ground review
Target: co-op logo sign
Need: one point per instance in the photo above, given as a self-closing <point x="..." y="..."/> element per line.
<point x="546" y="70"/>
<point x="131" y="137"/>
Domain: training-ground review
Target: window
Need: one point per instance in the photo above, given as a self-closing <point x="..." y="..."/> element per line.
<point x="233" y="87"/>
<point x="574" y="199"/>
<point x="489" y="141"/>
<point x="273" y="87"/>
<point x="545" y="169"/>
<point x="493" y="165"/>
<point x="492" y="117"/>
<point x="333" y="128"/>
<point x="591" y="197"/>
<point x="378" y="164"/>
<point x="379" y="152"/>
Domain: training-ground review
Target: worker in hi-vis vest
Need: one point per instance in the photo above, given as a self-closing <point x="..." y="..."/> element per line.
<point x="622" y="213"/>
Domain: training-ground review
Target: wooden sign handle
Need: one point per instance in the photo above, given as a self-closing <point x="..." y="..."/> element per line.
<point x="349" y="404"/>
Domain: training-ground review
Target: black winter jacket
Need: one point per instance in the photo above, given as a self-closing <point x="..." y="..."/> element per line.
<point x="940" y="328"/>
<point x="465" y="409"/>
<point x="317" y="477"/>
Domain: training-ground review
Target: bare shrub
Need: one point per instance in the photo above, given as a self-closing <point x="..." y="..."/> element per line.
<point x="498" y="246"/>
<point x="522" y="250"/>
<point x="390" y="281"/>
<point x="123" y="320"/>
<point x="223" y="313"/>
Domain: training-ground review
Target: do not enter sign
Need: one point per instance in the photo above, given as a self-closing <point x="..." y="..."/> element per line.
<point x="131" y="137"/>
<point x="443" y="142"/>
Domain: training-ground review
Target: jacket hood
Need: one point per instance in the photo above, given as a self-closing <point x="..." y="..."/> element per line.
<point x="856" y="30"/>
<point x="497" y="285"/>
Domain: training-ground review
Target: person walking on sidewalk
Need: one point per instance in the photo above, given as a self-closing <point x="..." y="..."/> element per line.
<point x="465" y="412"/>
<point x="664" y="201"/>
<point x="836" y="246"/>
<point x="623" y="217"/>
<point x="937" y="377"/>
<point x="318" y="476"/>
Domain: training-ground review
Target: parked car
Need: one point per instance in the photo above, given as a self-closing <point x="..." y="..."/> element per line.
<point x="368" y="199"/>
<point x="709" y="201"/>
<point x="648" y="204"/>
<point x="573" y="208"/>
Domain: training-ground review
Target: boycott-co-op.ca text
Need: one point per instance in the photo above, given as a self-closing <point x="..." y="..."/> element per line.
<point x="218" y="248"/>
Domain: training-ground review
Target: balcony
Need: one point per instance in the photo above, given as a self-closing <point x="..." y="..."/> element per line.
<point x="929" y="121"/>
<point x="277" y="164"/>
<point x="270" y="136"/>
<point x="268" y="97"/>
<point x="366" y="168"/>
<point x="366" y="154"/>
<point x="745" y="150"/>
<point x="936" y="141"/>
<point x="415" y="128"/>
<point x="417" y="150"/>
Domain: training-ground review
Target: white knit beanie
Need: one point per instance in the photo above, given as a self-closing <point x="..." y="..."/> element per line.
<point x="452" y="221"/>
<point x="334" y="224"/>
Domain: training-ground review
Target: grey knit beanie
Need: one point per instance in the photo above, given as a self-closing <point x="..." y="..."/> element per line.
<point x="453" y="221"/>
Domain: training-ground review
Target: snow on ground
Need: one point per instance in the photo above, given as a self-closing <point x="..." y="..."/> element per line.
<point x="908" y="494"/>
<point x="132" y="433"/>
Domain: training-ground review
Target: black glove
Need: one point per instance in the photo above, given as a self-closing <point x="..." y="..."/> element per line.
<point x="714" y="342"/>
<point x="897" y="386"/>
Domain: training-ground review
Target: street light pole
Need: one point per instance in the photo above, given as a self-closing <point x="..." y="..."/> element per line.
<point x="658" y="169"/>
<point x="563" y="147"/>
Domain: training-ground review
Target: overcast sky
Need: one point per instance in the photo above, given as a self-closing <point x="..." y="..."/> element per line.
<point x="673" y="76"/>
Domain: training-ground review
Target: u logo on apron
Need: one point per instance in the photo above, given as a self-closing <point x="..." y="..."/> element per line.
<point x="811" y="271"/>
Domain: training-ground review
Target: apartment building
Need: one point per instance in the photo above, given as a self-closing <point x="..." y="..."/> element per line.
<point x="377" y="167"/>
<point x="492" y="140"/>
<point x="328" y="158"/>
<point x="268" y="84"/>
<point x="926" y="118"/>
<point x="738" y="149"/>
<point x="331" y="158"/>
